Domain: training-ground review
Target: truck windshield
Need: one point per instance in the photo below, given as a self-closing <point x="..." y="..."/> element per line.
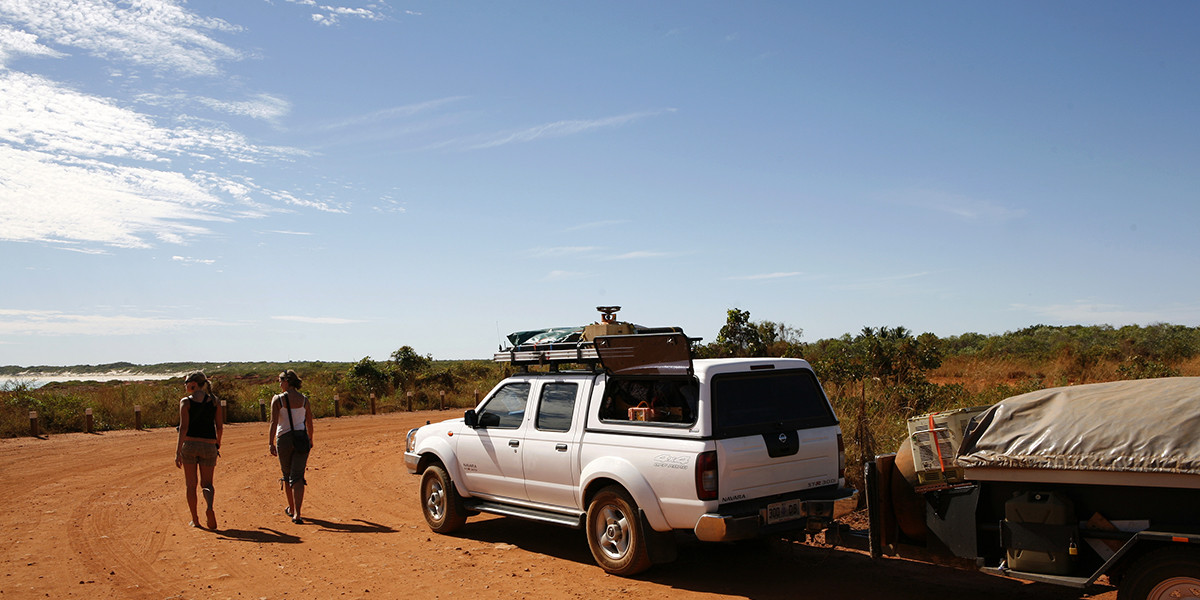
<point x="765" y="401"/>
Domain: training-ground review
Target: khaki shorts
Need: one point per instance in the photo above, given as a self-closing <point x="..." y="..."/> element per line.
<point x="199" y="453"/>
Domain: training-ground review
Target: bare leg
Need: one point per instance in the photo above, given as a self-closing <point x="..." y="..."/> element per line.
<point x="190" y="478"/>
<point x="287" y="491"/>
<point x="206" y="485"/>
<point x="298" y="494"/>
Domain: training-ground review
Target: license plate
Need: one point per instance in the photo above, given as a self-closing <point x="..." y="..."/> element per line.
<point x="783" y="511"/>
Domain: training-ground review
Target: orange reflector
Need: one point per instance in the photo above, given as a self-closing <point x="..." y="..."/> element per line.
<point x="1180" y="539"/>
<point x="450" y="433"/>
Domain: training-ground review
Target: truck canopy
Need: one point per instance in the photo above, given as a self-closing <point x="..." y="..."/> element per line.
<point x="1145" y="426"/>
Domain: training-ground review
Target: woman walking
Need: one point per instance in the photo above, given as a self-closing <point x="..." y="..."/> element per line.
<point x="201" y="423"/>
<point x="293" y="432"/>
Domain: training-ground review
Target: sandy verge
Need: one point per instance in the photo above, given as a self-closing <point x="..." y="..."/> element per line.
<point x="104" y="515"/>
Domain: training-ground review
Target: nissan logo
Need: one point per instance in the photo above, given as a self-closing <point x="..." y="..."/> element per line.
<point x="783" y="438"/>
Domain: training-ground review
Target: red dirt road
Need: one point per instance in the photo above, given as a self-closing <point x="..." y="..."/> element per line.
<point x="105" y="516"/>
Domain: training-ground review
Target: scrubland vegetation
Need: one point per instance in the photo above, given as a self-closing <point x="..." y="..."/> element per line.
<point x="876" y="379"/>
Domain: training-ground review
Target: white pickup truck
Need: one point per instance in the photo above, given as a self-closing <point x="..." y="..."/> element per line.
<point x="646" y="444"/>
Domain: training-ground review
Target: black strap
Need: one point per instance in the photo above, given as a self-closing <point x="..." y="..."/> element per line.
<point x="287" y="405"/>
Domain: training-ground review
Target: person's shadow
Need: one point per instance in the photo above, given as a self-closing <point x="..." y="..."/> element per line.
<point x="261" y="535"/>
<point x="355" y="526"/>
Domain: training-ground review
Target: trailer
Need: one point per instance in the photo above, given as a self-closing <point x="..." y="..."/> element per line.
<point x="1091" y="486"/>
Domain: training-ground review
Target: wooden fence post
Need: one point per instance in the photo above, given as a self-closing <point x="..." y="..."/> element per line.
<point x="337" y="411"/>
<point x="372" y="402"/>
<point x="137" y="417"/>
<point x="442" y="400"/>
<point x="262" y="409"/>
<point x="87" y="420"/>
<point x="476" y="396"/>
<point x="34" y="430"/>
<point x="410" y="402"/>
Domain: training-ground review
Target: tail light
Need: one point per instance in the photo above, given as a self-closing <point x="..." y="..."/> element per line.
<point x="706" y="476"/>
<point x="841" y="459"/>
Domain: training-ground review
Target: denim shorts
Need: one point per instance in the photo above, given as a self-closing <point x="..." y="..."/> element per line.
<point x="199" y="453"/>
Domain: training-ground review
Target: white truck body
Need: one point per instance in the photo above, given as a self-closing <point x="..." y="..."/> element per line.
<point x="543" y="446"/>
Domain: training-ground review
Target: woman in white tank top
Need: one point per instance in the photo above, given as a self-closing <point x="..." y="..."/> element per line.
<point x="291" y="420"/>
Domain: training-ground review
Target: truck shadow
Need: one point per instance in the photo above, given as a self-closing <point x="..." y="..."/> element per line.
<point x="764" y="570"/>
<point x="776" y="569"/>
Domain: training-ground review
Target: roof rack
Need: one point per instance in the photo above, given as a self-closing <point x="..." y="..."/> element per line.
<point x="553" y="355"/>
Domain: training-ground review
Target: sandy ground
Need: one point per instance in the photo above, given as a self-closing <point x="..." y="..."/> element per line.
<point x="104" y="515"/>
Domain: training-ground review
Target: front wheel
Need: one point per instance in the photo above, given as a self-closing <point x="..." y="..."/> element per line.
<point x="614" y="531"/>
<point x="440" y="502"/>
<point x="1165" y="574"/>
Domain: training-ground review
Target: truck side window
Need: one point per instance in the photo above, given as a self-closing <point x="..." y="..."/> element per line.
<point x="557" y="406"/>
<point x="506" y="409"/>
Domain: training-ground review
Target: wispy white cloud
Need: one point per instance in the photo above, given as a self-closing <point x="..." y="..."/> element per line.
<point x="563" y="128"/>
<point x="972" y="209"/>
<point x="318" y="320"/>
<point x="68" y="170"/>
<point x="15" y="43"/>
<point x="262" y="106"/>
<point x="47" y="322"/>
<point x="160" y="34"/>
<point x="638" y="255"/>
<point x="765" y="276"/>
<point x="193" y="261"/>
<point x="389" y="114"/>
<point x="330" y="15"/>
<point x="289" y="232"/>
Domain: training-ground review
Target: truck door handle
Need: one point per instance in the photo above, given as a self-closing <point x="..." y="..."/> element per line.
<point x="514" y="443"/>
<point x="560" y="447"/>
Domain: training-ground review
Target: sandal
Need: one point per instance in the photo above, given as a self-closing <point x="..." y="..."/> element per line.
<point x="287" y="511"/>
<point x="298" y="521"/>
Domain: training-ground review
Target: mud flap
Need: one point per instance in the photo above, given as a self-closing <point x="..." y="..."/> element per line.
<point x="660" y="545"/>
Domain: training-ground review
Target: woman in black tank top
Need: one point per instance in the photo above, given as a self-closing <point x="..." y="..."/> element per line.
<point x="201" y="423"/>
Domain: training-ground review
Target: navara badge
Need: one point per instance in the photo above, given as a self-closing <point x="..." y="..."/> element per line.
<point x="783" y="438"/>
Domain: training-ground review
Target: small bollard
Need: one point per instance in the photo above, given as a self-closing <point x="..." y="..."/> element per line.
<point x="372" y="402"/>
<point x="262" y="409"/>
<point x="337" y="410"/>
<point x="476" y="396"/>
<point x="87" y="420"/>
<point x="410" y="402"/>
<point x="33" y="424"/>
<point x="442" y="400"/>
<point x="137" y="417"/>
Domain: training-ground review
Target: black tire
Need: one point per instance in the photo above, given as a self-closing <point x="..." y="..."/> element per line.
<point x="440" y="502"/>
<point x="614" y="532"/>
<point x="1165" y="574"/>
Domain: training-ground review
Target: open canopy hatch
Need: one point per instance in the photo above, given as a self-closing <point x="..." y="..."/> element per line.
<point x="645" y="355"/>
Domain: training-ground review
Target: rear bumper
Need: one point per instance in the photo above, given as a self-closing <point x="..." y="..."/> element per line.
<point x="815" y="515"/>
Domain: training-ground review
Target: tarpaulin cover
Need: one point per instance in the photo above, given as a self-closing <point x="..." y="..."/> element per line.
<point x="545" y="336"/>
<point x="1150" y="426"/>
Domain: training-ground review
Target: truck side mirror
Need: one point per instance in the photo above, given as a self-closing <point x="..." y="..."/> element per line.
<point x="471" y="419"/>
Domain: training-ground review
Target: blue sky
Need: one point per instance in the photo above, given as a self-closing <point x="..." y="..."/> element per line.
<point x="295" y="180"/>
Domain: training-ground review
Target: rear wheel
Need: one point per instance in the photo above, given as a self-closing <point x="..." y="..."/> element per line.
<point x="1165" y="574"/>
<point x="441" y="504"/>
<point x="615" y="535"/>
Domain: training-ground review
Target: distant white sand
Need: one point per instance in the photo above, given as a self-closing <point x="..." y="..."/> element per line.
<point x="38" y="380"/>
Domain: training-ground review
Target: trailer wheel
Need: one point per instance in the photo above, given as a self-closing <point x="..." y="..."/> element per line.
<point x="1165" y="574"/>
